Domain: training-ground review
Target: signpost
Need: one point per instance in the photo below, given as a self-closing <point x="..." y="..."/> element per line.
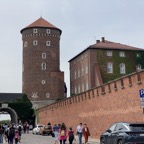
<point x="141" y="94"/>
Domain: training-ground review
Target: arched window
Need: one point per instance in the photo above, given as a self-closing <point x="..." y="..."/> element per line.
<point x="48" y="43"/>
<point x="43" y="82"/>
<point x="35" y="42"/>
<point x="43" y="66"/>
<point x="48" y="31"/>
<point x="25" y="44"/>
<point x="43" y="55"/>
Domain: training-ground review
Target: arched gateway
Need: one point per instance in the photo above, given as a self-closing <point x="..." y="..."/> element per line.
<point x="18" y="106"/>
<point x="11" y="112"/>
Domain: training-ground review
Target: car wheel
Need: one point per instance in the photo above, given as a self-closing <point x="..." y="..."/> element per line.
<point x="120" y="142"/>
<point x="102" y="140"/>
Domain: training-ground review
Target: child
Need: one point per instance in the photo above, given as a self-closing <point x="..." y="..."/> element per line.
<point x="16" y="137"/>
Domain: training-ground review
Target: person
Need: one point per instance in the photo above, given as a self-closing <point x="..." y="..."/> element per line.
<point x="11" y="134"/>
<point x="27" y="127"/>
<point x="86" y="133"/>
<point x="56" y="132"/>
<point x="24" y="127"/>
<point x="71" y="136"/>
<point x="6" y="134"/>
<point x="62" y="134"/>
<point x="20" y="131"/>
<point x="17" y="137"/>
<point x="79" y="133"/>
<point x="50" y="129"/>
<point x="1" y="134"/>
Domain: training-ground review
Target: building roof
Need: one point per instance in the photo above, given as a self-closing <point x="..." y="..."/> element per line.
<point x="41" y="22"/>
<point x="109" y="45"/>
<point x="10" y="96"/>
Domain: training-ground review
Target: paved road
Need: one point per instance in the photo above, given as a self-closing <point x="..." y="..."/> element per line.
<point x="38" y="139"/>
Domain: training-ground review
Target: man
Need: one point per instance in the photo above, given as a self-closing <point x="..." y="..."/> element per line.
<point x="79" y="133"/>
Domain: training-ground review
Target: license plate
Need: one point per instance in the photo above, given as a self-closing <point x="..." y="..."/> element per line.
<point x="141" y="134"/>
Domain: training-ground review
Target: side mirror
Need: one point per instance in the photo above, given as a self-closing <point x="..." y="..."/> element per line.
<point x="109" y="131"/>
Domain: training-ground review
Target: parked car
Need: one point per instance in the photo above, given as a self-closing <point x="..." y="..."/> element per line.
<point x="123" y="133"/>
<point x="37" y="128"/>
<point x="46" y="130"/>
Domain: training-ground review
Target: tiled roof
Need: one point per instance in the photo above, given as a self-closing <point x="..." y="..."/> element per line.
<point x="108" y="45"/>
<point x="112" y="45"/>
<point x="41" y="23"/>
<point x="10" y="96"/>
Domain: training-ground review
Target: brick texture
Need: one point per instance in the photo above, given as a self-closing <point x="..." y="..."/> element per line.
<point x="42" y="85"/>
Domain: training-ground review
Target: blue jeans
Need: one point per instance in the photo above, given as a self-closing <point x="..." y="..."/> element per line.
<point x="80" y="138"/>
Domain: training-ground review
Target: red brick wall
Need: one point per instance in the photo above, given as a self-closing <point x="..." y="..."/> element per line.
<point x="100" y="107"/>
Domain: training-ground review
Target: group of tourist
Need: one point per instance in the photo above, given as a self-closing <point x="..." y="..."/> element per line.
<point x="10" y="133"/>
<point x="61" y="134"/>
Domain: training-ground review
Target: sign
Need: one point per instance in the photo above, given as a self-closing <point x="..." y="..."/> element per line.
<point x="4" y="105"/>
<point x="141" y="94"/>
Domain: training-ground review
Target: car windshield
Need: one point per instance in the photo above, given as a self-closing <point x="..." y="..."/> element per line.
<point x="136" y="127"/>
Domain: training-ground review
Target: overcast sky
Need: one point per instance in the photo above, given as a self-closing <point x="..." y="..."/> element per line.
<point x="81" y="22"/>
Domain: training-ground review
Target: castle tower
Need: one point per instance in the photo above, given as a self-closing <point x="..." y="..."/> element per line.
<point x="43" y="81"/>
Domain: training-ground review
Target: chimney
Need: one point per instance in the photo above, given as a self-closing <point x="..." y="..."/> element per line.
<point x="97" y="41"/>
<point x="103" y="39"/>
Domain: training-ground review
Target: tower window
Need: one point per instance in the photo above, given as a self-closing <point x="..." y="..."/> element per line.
<point x="35" y="30"/>
<point x="47" y="43"/>
<point x="43" y="55"/>
<point x="43" y="66"/>
<point x="25" y="44"/>
<point x="122" y="68"/>
<point x="35" y="42"/>
<point x="48" y="31"/>
<point x="109" y="67"/>
<point x="43" y="82"/>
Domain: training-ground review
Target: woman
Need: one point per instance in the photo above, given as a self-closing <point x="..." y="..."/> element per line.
<point x="62" y="134"/>
<point x="86" y="133"/>
<point x="71" y="135"/>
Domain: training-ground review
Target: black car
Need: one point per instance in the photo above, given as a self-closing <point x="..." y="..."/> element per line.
<point x="123" y="133"/>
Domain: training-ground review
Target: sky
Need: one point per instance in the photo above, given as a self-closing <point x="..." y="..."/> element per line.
<point x="82" y="22"/>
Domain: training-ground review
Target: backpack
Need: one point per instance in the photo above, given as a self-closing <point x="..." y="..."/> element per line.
<point x="11" y="132"/>
<point x="71" y="136"/>
<point x="62" y="133"/>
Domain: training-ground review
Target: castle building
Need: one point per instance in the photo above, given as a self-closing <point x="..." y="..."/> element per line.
<point x="103" y="62"/>
<point x="43" y="81"/>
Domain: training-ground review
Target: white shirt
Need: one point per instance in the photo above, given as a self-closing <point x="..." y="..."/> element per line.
<point x="79" y="128"/>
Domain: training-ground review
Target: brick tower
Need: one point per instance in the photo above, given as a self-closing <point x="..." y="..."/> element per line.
<point x="43" y="81"/>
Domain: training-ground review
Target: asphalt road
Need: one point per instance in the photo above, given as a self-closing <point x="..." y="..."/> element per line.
<point x="39" y="139"/>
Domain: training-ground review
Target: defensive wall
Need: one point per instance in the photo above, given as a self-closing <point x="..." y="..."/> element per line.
<point x="115" y="101"/>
